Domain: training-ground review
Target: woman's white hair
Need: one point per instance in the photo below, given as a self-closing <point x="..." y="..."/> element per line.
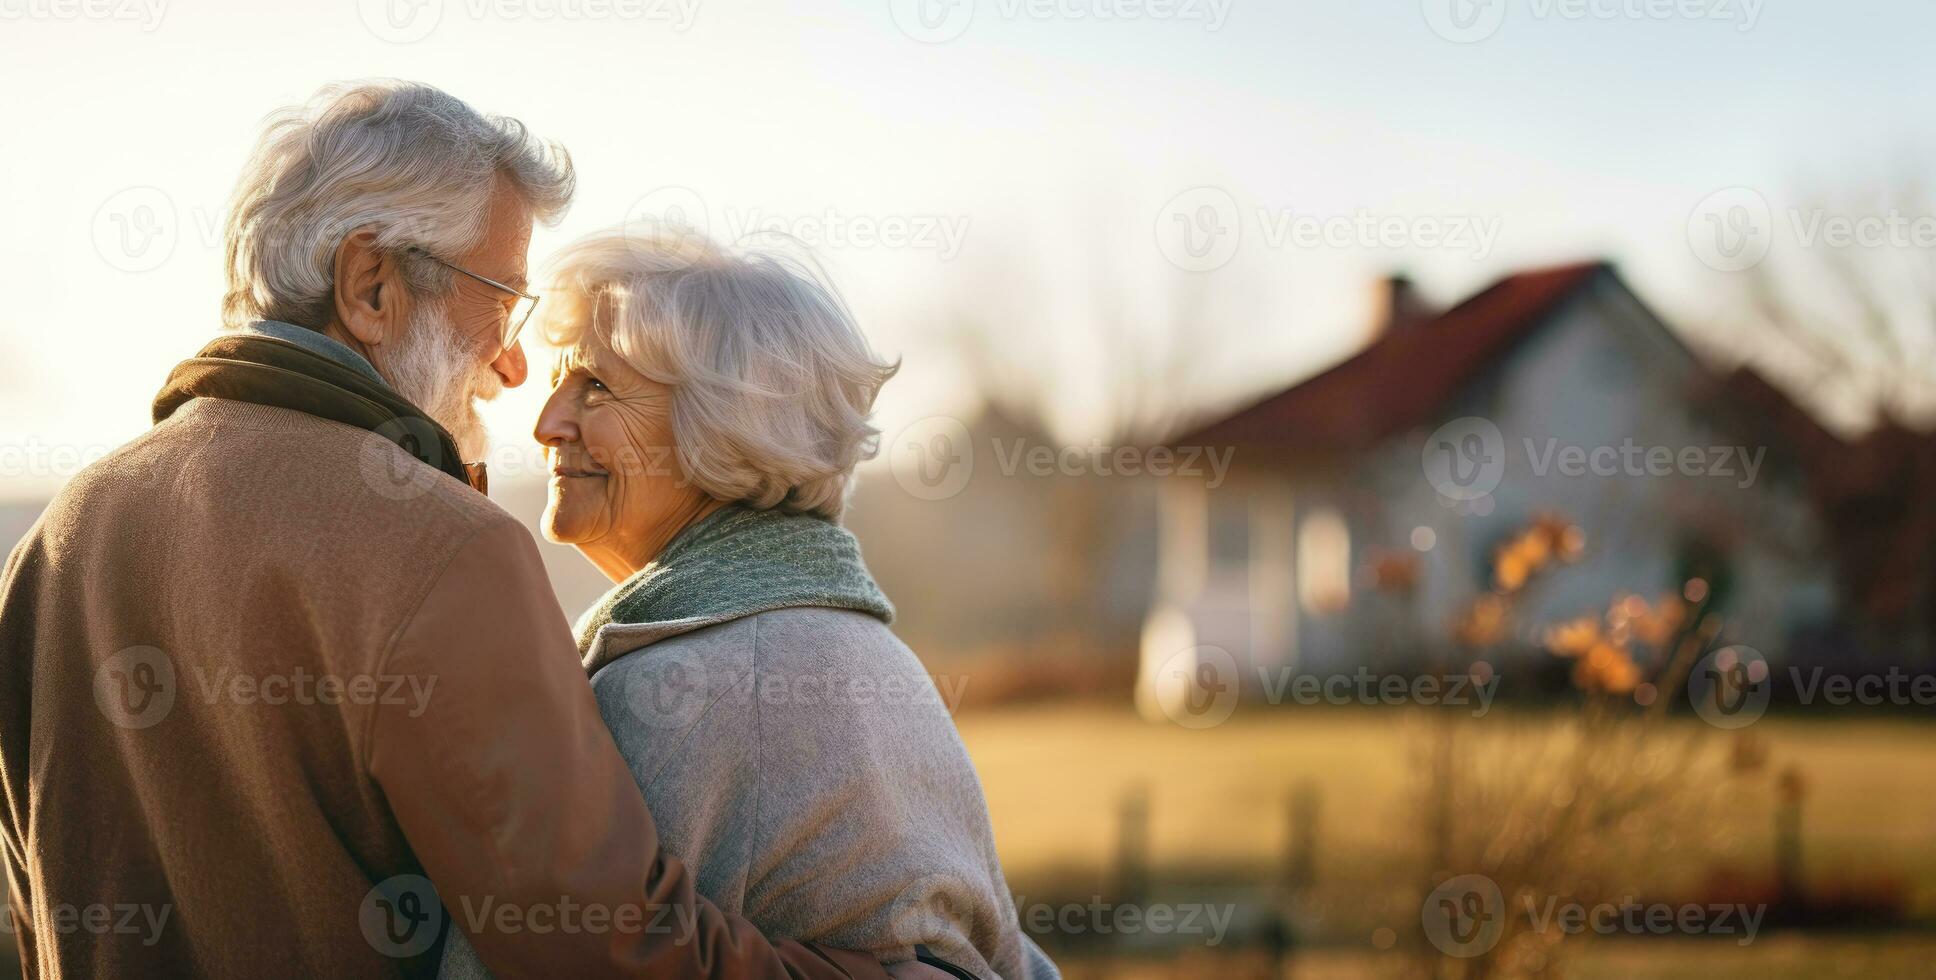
<point x="773" y="384"/>
<point x="409" y="161"/>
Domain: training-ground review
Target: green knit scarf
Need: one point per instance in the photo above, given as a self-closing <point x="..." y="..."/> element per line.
<point x="738" y="561"/>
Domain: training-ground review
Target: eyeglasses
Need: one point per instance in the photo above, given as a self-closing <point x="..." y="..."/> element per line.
<point x="520" y="311"/>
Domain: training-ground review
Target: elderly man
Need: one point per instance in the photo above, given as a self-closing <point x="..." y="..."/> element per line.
<point x="273" y="670"/>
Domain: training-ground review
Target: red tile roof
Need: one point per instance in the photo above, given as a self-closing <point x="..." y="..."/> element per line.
<point x="1404" y="376"/>
<point x="1831" y="467"/>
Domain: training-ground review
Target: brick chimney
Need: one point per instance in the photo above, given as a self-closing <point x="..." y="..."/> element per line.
<point x="1398" y="304"/>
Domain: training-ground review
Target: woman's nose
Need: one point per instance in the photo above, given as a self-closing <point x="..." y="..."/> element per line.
<point x="511" y="366"/>
<point x="556" y="423"/>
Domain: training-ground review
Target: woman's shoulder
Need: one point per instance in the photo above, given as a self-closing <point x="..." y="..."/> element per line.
<point x="834" y="668"/>
<point x="813" y="636"/>
<point x="817" y="666"/>
<point x="790" y="638"/>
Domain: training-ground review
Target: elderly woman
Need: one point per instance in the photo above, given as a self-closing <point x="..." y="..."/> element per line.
<point x="706" y="415"/>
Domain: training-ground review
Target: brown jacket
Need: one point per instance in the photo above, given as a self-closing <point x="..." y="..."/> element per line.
<point x="260" y="672"/>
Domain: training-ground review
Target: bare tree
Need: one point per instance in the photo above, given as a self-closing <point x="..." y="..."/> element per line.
<point x="1863" y="316"/>
<point x="1132" y="371"/>
<point x="1148" y="366"/>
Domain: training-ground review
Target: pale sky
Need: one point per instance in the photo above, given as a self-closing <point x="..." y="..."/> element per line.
<point x="1051" y="139"/>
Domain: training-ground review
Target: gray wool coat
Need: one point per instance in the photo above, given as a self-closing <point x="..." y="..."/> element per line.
<point x="804" y="766"/>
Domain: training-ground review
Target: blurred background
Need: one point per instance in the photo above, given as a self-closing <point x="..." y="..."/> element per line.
<point x="1389" y="488"/>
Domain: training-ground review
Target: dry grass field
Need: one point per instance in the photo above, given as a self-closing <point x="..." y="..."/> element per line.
<point x="1219" y="799"/>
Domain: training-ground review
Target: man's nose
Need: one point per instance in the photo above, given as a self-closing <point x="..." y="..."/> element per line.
<point x="511" y="366"/>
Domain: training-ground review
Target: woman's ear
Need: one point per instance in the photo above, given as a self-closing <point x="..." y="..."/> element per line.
<point x="369" y="289"/>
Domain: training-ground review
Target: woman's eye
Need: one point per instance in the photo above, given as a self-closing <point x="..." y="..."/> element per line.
<point x="595" y="384"/>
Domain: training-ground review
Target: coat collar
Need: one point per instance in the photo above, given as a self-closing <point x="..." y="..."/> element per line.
<point x="735" y="562"/>
<point x="264" y="370"/>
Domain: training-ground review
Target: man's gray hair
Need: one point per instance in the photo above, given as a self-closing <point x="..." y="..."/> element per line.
<point x="413" y="163"/>
<point x="773" y="384"/>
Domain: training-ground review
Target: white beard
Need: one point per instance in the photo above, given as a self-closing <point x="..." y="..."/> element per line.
<point x="443" y="379"/>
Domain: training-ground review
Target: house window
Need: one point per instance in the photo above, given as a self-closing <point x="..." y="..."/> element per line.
<point x="1229" y="534"/>
<point x="1323" y="562"/>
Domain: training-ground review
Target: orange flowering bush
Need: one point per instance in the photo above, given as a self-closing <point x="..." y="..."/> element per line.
<point x="1566" y="810"/>
<point x="1602" y="648"/>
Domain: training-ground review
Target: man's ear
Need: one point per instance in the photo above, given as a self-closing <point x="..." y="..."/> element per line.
<point x="369" y="292"/>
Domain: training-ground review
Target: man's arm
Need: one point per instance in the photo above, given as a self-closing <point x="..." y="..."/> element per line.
<point x="518" y="805"/>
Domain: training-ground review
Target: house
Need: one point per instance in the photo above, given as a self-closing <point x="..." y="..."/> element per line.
<point x="1554" y="391"/>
